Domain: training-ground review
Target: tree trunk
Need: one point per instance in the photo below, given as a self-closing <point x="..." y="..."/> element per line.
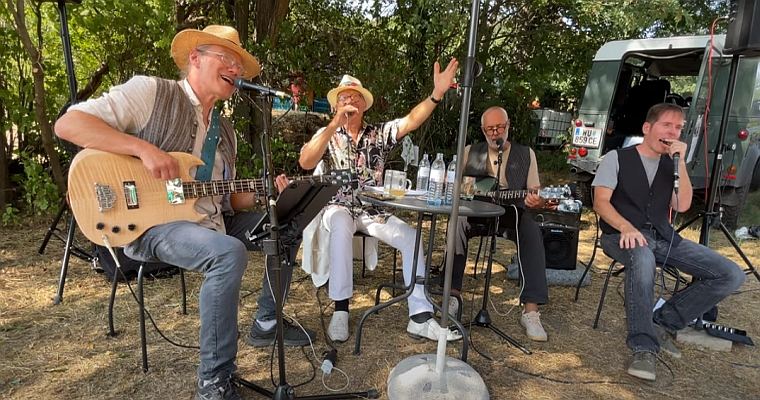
<point x="40" y="110"/>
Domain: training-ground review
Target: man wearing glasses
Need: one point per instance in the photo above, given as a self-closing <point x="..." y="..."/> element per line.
<point x="348" y="142"/>
<point x="519" y="172"/>
<point x="147" y="117"/>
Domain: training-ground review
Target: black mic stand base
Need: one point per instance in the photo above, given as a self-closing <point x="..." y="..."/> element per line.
<point x="287" y="392"/>
<point x="483" y="319"/>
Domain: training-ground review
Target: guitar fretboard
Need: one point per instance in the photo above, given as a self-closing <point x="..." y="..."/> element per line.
<point x="510" y="194"/>
<point x="197" y="189"/>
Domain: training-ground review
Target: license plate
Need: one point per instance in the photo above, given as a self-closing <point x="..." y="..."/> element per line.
<point x="587" y="137"/>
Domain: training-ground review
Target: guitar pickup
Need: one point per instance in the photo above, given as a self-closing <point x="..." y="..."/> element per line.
<point x="130" y="195"/>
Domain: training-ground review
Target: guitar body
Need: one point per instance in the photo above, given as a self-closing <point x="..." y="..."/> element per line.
<point x="136" y="201"/>
<point x="484" y="185"/>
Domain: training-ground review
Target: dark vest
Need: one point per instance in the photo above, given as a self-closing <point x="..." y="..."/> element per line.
<point x="518" y="164"/>
<point x="172" y="124"/>
<point x="638" y="202"/>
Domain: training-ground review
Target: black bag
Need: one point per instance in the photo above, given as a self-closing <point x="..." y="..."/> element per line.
<point x="130" y="267"/>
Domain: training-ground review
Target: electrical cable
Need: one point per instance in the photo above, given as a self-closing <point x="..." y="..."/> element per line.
<point x="137" y="300"/>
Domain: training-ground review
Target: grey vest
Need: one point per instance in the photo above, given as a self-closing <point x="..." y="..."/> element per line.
<point x="518" y="164"/>
<point x="172" y="124"/>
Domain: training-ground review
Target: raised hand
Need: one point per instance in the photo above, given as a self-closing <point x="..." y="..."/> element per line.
<point x="444" y="79"/>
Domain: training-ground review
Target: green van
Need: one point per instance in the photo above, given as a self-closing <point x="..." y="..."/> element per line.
<point x="629" y="76"/>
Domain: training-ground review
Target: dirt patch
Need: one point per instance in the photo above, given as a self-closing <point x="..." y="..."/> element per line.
<point x="62" y="352"/>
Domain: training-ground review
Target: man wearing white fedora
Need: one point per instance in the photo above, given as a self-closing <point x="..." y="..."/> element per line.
<point x="348" y="142"/>
<point x="147" y="117"/>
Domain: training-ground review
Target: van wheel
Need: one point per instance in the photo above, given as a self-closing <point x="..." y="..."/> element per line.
<point x="585" y="193"/>
<point x="754" y="183"/>
<point x="731" y="214"/>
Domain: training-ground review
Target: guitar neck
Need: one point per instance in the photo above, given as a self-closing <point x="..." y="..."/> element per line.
<point x="196" y="189"/>
<point x="511" y="194"/>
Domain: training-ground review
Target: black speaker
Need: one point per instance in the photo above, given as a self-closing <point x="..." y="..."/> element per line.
<point x="560" y="245"/>
<point x="743" y="36"/>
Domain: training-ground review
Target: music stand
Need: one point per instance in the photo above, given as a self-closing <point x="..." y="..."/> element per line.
<point x="301" y="202"/>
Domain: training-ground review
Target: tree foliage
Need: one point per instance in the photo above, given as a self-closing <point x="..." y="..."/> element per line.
<point x="531" y="50"/>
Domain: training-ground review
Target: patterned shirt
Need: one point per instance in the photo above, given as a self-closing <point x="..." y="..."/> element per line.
<point x="365" y="159"/>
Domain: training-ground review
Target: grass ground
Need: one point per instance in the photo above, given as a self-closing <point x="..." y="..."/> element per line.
<point x="62" y="352"/>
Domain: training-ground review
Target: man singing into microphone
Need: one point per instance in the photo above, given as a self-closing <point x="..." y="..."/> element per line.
<point x="519" y="171"/>
<point x="146" y="117"/>
<point x="348" y="142"/>
<point x="634" y="192"/>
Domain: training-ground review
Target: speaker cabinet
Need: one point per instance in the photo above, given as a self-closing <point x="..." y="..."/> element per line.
<point x="560" y="245"/>
<point x="743" y="36"/>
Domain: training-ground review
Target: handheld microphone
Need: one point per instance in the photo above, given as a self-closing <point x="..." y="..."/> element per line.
<point x="243" y="84"/>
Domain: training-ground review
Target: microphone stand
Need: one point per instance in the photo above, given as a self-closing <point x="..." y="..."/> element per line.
<point x="709" y="215"/>
<point x="71" y="248"/>
<point x="273" y="248"/>
<point x="483" y="319"/>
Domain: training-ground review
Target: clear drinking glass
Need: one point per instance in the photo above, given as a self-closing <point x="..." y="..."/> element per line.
<point x="467" y="190"/>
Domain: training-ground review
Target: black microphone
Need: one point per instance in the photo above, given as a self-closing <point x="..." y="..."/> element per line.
<point x="243" y="84"/>
<point x="676" y="161"/>
<point x="500" y="143"/>
<point x="676" y="176"/>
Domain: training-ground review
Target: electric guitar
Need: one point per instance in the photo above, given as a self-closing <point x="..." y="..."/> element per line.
<point x="484" y="190"/>
<point x="115" y="196"/>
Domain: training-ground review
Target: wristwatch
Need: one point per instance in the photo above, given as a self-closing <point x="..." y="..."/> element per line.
<point x="434" y="100"/>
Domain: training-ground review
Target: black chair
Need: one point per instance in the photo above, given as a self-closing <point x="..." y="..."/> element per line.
<point x="364" y="260"/>
<point x="611" y="271"/>
<point x="141" y="307"/>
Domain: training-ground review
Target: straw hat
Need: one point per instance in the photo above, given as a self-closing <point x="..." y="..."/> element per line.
<point x="225" y="36"/>
<point x="349" y="82"/>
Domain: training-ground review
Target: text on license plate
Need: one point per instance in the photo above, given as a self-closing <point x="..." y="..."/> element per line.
<point x="587" y="137"/>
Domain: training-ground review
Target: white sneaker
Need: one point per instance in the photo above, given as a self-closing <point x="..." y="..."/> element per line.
<point x="532" y="323"/>
<point x="338" y="329"/>
<point x="429" y="330"/>
<point x="453" y="306"/>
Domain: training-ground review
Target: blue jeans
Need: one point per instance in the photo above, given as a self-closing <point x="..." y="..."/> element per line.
<point x="716" y="277"/>
<point x="223" y="259"/>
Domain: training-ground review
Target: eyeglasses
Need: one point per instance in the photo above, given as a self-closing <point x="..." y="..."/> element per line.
<point x="498" y="129"/>
<point x="227" y="61"/>
<point x="353" y="97"/>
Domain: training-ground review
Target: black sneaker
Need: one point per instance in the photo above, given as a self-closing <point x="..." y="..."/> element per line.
<point x="218" y="389"/>
<point x="292" y="335"/>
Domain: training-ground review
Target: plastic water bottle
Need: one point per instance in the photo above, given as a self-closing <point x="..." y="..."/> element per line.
<point x="423" y="174"/>
<point x="451" y="172"/>
<point x="437" y="180"/>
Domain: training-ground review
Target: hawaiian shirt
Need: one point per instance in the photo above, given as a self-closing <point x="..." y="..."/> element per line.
<point x="365" y="159"/>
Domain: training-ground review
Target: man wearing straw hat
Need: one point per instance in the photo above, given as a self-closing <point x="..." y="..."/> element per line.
<point x="349" y="142"/>
<point x="148" y="117"/>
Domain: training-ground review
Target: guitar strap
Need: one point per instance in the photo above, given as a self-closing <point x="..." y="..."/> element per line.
<point x="209" y="149"/>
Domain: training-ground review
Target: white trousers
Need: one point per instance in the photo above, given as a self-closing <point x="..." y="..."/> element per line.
<point x="393" y="232"/>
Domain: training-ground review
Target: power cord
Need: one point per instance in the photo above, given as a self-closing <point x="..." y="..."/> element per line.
<point x="295" y="321"/>
<point x="107" y="244"/>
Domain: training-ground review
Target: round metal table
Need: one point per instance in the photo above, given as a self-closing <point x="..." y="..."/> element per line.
<point x="467" y="208"/>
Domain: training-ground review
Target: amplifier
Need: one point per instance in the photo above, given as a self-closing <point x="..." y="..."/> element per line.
<point x="553" y="217"/>
<point x="560" y="246"/>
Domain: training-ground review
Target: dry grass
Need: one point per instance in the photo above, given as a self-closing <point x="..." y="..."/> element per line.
<point x="62" y="352"/>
